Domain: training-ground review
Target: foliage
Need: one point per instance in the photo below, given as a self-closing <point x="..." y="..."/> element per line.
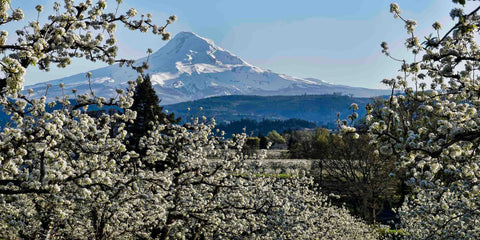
<point x="146" y="105"/>
<point x="251" y="146"/>
<point x="350" y="168"/>
<point x="274" y="137"/>
<point x="263" y="141"/>
<point x="264" y="127"/>
<point x="300" y="143"/>
<point x="433" y="128"/>
<point x="66" y="175"/>
<point x="78" y="31"/>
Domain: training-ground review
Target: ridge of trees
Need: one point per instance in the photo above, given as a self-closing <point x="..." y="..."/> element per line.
<point x="254" y="128"/>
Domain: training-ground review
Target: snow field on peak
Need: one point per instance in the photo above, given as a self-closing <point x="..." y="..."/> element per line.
<point x="191" y="67"/>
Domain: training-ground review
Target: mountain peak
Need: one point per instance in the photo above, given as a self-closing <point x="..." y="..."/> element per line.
<point x="192" y="41"/>
<point x="191" y="36"/>
<point x="191" y="67"/>
<point x="190" y="48"/>
<point x="187" y="34"/>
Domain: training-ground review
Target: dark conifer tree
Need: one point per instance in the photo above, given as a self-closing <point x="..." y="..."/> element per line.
<point x="263" y="141"/>
<point x="149" y="112"/>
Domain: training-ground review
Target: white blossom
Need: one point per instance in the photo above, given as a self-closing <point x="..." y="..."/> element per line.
<point x="434" y="131"/>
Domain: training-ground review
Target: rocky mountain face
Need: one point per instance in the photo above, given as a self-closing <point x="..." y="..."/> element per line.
<point x="190" y="67"/>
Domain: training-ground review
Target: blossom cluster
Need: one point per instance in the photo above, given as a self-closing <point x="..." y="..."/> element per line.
<point x="433" y="127"/>
<point x="83" y="30"/>
<point x="68" y="174"/>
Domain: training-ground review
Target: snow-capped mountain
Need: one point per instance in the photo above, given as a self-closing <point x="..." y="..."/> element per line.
<point x="191" y="67"/>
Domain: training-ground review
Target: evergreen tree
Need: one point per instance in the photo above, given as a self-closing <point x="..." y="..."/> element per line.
<point x="146" y="104"/>
<point x="263" y="141"/>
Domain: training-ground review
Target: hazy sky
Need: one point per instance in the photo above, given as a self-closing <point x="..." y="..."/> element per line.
<point x="336" y="41"/>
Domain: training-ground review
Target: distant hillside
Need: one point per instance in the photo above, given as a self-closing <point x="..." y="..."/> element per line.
<point x="321" y="109"/>
<point x="6" y="119"/>
<point x="253" y="128"/>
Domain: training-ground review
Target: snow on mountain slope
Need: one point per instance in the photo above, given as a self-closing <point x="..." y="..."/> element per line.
<point x="191" y="67"/>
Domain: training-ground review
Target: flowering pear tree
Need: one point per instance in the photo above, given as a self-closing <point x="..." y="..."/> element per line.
<point x="433" y="126"/>
<point x="83" y="30"/>
<point x="67" y="175"/>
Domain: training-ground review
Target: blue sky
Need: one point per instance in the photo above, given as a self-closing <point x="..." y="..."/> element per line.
<point x="336" y="41"/>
